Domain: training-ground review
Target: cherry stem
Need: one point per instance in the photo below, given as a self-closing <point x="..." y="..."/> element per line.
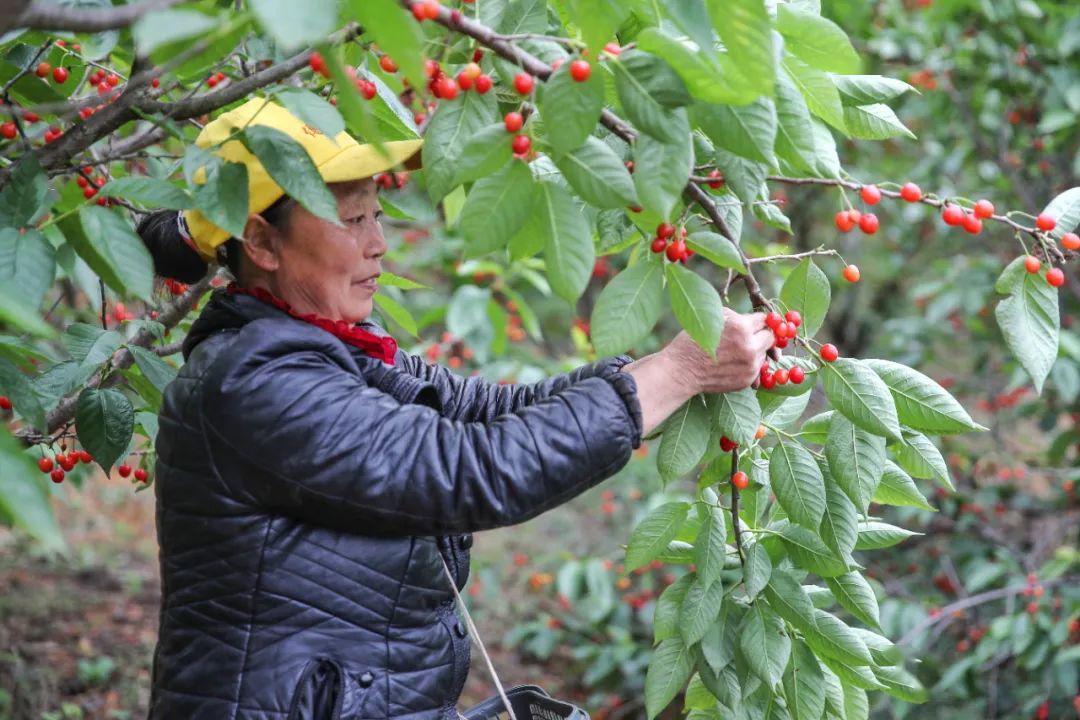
<point x="735" y="526"/>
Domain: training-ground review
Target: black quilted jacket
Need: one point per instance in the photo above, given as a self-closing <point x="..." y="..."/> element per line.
<point x="304" y="493"/>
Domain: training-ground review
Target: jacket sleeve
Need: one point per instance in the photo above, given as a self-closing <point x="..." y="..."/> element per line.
<point x="475" y="399"/>
<point x="293" y="430"/>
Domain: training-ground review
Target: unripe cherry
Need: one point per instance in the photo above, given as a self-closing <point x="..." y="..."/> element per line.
<point x="911" y="192"/>
<point x="580" y="70"/>
<point x="829" y="353"/>
<point x="659" y="245"/>
<point x="523" y="83"/>
<point x="1045" y="222"/>
<point x="612" y="48"/>
<point x="1070" y="241"/>
<point x="851" y="273"/>
<point x="793" y="317"/>
<point x="1055" y="277"/>
<point x="472" y="71"/>
<point x="513" y="121"/>
<point x="972" y="224"/>
<point x="984" y="209"/>
<point x="665" y="230"/>
<point x="871" y="195"/>
<point x="869" y="224"/>
<point x="854" y="215"/>
<point x="953" y="215"/>
<point x="431" y="9"/>
<point x="843" y="221"/>
<point x="740" y="480"/>
<point x="1032" y="264"/>
<point x="797" y="375"/>
<point x="521" y="144"/>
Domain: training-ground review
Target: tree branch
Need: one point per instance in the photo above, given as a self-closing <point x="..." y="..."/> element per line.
<point x="53" y="16"/>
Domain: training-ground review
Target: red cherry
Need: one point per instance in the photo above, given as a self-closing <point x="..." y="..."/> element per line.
<point x="781" y="330"/>
<point x="718" y="182"/>
<point x="659" y="245"/>
<point x="851" y="273"/>
<point x="793" y="317"/>
<point x="478" y="55"/>
<point x="740" y="480"/>
<point x="114" y="80"/>
<point x="155" y="82"/>
<point x="68" y="464"/>
<point x="1070" y="241"/>
<point x="1055" y="277"/>
<point x="84" y="456"/>
<point x="843" y="221"/>
<point x="464" y="81"/>
<point x="984" y="209"/>
<point x="89" y="192"/>
<point x="447" y="90"/>
<point x="972" y="224"/>
<point x="665" y="230"/>
<point x="854" y="215"/>
<point x="31" y="117"/>
<point x="45" y="465"/>
<point x="9" y="130"/>
<point x="953" y="215"/>
<point x="676" y="250"/>
<point x="60" y="75"/>
<point x="768" y="382"/>
<point x="483" y="84"/>
<point x="781" y="376"/>
<point x="387" y="64"/>
<point x="797" y="375"/>
<point x="431" y="68"/>
<point x="141" y="475"/>
<point x="613" y="48"/>
<point x="1045" y="222"/>
<point x="781" y="343"/>
<point x="523" y="83"/>
<point x="829" y="352"/>
<point x="869" y="224"/>
<point x="513" y="121"/>
<point x="773" y="320"/>
<point x="579" y="70"/>
<point x="124" y="470"/>
<point x="727" y="444"/>
<point x="1032" y="264"/>
<point x="43" y="69"/>
<point x="871" y="195"/>
<point x="521" y="144"/>
<point x="57" y="475"/>
<point x="911" y="192"/>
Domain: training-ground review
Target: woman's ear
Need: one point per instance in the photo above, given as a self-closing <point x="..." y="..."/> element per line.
<point x="262" y="243"/>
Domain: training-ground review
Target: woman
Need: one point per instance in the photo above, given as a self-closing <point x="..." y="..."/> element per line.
<point x="309" y="473"/>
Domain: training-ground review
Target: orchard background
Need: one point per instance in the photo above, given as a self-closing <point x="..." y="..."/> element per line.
<point x="848" y="540"/>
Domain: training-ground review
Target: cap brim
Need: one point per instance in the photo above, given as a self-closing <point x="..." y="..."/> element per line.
<point x="357" y="162"/>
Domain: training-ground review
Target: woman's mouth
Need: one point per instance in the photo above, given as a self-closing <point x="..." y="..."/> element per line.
<point x="370" y="283"/>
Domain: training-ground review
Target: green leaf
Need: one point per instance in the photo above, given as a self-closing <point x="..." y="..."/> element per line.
<point x="156" y="370"/>
<point x="810" y="553"/>
<point x="598" y="175"/>
<point x="834" y="639"/>
<point x="484" y="153"/>
<point x="856" y="459"/>
<point x="898" y="489"/>
<point x="856" y="704"/>
<point x="700" y="608"/>
<point x="18" y="388"/>
<point x="389" y="279"/>
<point x="860" y="395"/>
<point x="787" y="597"/>
<point x="446" y="135"/>
<point x="115" y="252"/>
<point x="800" y="139"/>
<point x="875" y="535"/>
<point x="1029" y="320"/>
<point x="710" y="547"/>
<point x="922" y="403"/>
<point x="818" y="89"/>
<point x="27" y="264"/>
<point x="758" y="570"/>
<point x="874" y="122"/>
<point x="746" y="130"/>
<point x="662" y="168"/>
<point x="921" y="458"/>
<point x="744" y="177"/>
<point x="780" y="411"/>
<point x="839" y="526"/>
<point x="738" y="415"/>
<point x="223" y="198"/>
<point x="804" y="683"/>
<point x="816" y="40"/>
<point x="168" y="25"/>
<point x="709" y="77"/>
<point x="24" y="500"/>
<point x="901" y="684"/>
<point x="598" y="20"/>
<point x="290" y="166"/>
<point x="816" y="429"/>
<point x="627" y="308"/>
<point x="716" y="249"/>
<point x="497" y="208"/>
<point x="718" y="645"/>
<point x="293" y="24"/>
<point x="16" y="314"/>
<point x="90" y="345"/>
<point x="396" y="33"/>
<point x="105" y="421"/>
<point x="764" y="644"/>
<point x="807" y="290"/>
<point x="798" y="484"/>
<point x="25" y="196"/>
<point x="147" y="191"/>
<point x="856" y="596"/>
<point x="1065" y="209"/>
<point x="652" y="535"/>
<point x="745" y="28"/>
<point x="396" y="312"/>
<point x="685" y="439"/>
<point x="569" y="254"/>
<point x="666" y="615"/>
<point x="571" y="109"/>
<point x="696" y="305"/>
<point x="648" y="90"/>
<point x="312" y="109"/>
<point x="869" y="89"/>
<point x="669" y="670"/>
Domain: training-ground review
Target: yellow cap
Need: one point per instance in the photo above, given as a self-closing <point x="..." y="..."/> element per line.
<point x="338" y="160"/>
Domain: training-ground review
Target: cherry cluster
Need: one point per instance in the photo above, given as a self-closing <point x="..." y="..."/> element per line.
<point x="389" y="180"/>
<point x="675" y="250"/>
<point x="62" y="462"/>
<point x="125" y="471"/>
<point x="456" y="349"/>
<point x="90" y="184"/>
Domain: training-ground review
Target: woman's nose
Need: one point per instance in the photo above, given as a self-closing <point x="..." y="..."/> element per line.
<point x="375" y="245"/>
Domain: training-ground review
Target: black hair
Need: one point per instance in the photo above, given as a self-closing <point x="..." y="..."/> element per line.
<point x="174" y="258"/>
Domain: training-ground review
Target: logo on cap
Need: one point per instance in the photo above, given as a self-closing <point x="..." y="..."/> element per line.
<point x="311" y="130"/>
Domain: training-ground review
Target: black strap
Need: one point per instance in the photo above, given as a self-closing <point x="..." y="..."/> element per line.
<point x="529" y="702"/>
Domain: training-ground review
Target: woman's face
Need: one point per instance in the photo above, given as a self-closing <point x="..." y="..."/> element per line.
<point x="329" y="270"/>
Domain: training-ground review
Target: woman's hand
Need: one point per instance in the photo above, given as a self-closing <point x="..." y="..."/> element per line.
<point x="668" y="378"/>
<point x="739" y="355"/>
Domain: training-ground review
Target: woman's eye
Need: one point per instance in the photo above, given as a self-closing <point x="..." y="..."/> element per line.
<point x="358" y="220"/>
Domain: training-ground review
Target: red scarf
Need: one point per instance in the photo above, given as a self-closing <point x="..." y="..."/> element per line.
<point x="381" y="347"/>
